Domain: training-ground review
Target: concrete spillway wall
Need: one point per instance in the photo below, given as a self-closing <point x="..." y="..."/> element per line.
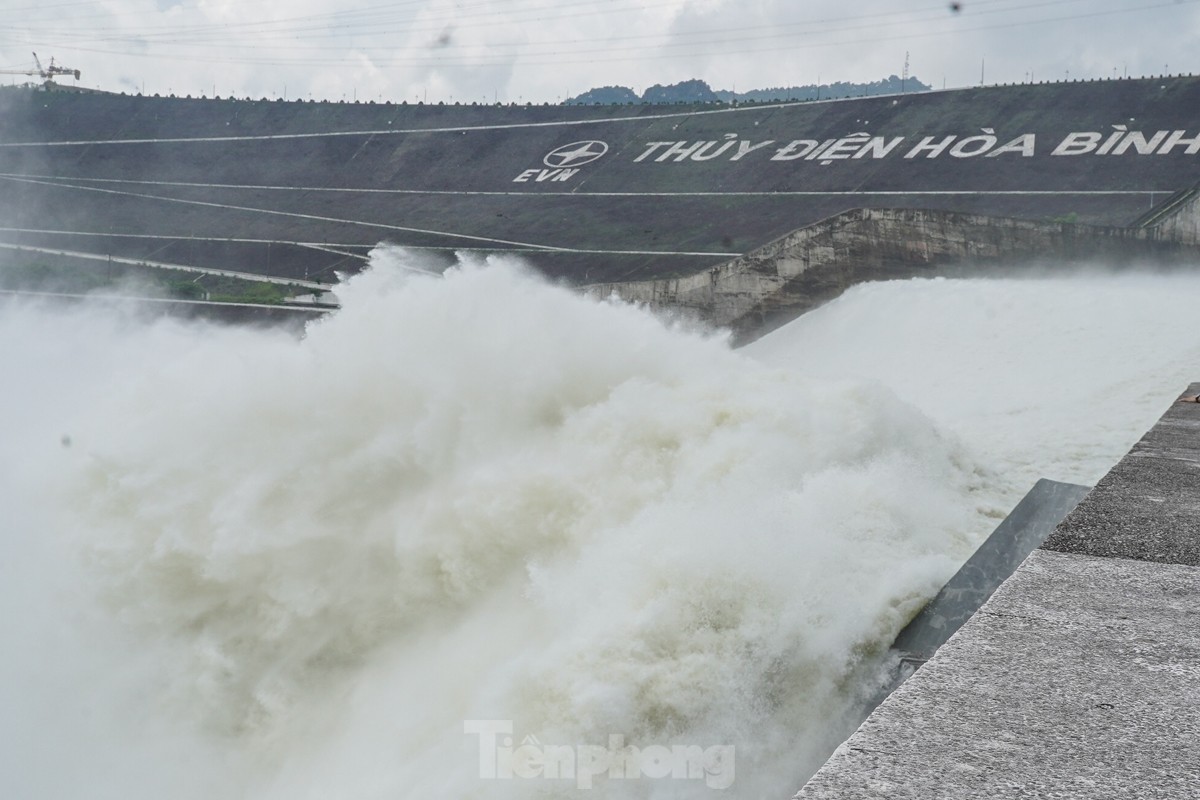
<point x="586" y="194"/>
<point x="1080" y="677"/>
<point x="1179" y="219"/>
<point x="814" y="264"/>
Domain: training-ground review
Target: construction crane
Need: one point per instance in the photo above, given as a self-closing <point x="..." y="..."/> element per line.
<point x="46" y="73"/>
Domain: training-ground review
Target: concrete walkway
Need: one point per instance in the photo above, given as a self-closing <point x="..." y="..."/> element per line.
<point x="1080" y="677"/>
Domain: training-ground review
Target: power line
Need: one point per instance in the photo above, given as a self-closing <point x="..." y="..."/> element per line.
<point x="598" y="55"/>
<point x="716" y="35"/>
<point x="179" y="36"/>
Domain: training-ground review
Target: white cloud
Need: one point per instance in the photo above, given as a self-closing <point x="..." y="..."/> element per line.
<point x="544" y="50"/>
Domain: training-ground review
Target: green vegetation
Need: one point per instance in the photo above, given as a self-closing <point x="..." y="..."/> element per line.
<point x="605" y="96"/>
<point x="697" y="91"/>
<point x="143" y="281"/>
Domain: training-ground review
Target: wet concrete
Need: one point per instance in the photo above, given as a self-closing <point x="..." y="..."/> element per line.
<point x="1148" y="506"/>
<point x="1080" y="677"/>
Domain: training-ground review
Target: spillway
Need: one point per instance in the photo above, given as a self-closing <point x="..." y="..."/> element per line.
<point x="587" y="194"/>
<point x="479" y="534"/>
<point x="254" y="565"/>
<point x="1077" y="678"/>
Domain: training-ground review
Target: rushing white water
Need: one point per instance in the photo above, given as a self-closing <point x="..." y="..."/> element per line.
<point x="241" y="564"/>
<point x="1051" y="377"/>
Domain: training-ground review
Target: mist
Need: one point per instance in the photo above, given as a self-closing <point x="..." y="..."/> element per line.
<point x="249" y="564"/>
<point x="1047" y="373"/>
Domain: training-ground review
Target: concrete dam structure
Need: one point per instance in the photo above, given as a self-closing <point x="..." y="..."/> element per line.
<point x="1077" y="676"/>
<point x="742" y="214"/>
<point x="1077" y="679"/>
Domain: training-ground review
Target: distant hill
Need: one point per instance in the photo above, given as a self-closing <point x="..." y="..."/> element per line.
<point x="693" y="91"/>
<point x="604" y="96"/>
<point x="697" y="91"/>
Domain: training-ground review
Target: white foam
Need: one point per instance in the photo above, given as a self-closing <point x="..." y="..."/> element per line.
<point x="272" y="567"/>
<point x="1051" y="377"/>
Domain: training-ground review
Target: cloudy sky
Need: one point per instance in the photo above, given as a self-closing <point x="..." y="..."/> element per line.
<point x="546" y="50"/>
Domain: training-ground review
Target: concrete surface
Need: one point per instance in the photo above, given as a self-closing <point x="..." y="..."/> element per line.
<point x="1080" y="677"/>
<point x="1148" y="506"/>
<point x="301" y="190"/>
<point x="776" y="283"/>
<point x="1021" y="532"/>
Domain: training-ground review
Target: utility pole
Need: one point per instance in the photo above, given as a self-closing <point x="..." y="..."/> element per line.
<point x="904" y="74"/>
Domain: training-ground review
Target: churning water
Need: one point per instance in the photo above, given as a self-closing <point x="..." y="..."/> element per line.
<point x="472" y="522"/>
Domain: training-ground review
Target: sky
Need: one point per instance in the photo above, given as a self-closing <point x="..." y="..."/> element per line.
<point x="548" y="50"/>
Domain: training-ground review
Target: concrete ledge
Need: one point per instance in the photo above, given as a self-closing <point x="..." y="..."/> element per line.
<point x="1148" y="506"/>
<point x="1080" y="677"/>
<point x="814" y="264"/>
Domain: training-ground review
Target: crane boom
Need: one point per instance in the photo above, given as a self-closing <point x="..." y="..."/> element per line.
<point x="46" y="73"/>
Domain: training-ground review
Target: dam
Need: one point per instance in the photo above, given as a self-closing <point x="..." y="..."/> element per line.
<point x="1077" y="679"/>
<point x="743" y="214"/>
<point x="219" y="471"/>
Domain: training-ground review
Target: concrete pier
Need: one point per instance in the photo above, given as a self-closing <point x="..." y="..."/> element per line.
<point x="1080" y="677"/>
